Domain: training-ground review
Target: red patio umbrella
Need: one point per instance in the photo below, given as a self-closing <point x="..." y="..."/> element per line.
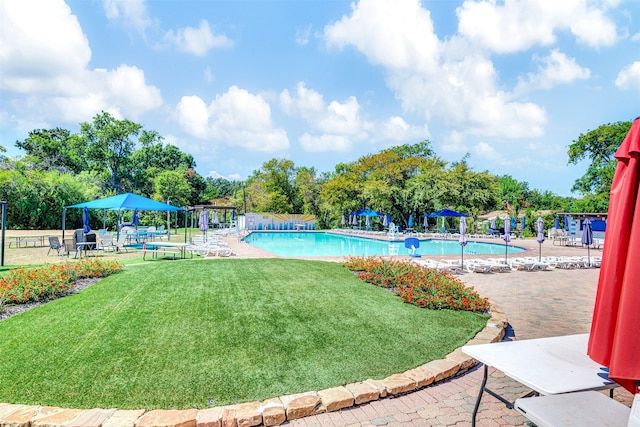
<point x="615" y="330"/>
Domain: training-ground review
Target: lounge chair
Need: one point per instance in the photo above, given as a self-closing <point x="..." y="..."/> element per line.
<point x="54" y="243"/>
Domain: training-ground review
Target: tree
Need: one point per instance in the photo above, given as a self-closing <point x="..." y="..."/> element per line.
<point x="172" y="187"/>
<point x="271" y="188"/>
<point x="598" y="146"/>
<point x="110" y="144"/>
<point x="511" y="193"/>
<point x="55" y="149"/>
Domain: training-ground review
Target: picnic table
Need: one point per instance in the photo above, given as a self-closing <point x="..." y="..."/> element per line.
<point x="36" y="239"/>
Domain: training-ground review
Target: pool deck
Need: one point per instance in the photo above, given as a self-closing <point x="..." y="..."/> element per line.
<point x="537" y="303"/>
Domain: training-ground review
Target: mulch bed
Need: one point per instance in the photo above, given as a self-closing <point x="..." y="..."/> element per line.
<point x="12" y="309"/>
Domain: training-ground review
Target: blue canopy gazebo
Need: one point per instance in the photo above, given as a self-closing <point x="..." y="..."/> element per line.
<point x="446" y="212"/>
<point x="125" y="201"/>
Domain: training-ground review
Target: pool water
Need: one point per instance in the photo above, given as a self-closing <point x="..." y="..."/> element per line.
<point x="312" y="244"/>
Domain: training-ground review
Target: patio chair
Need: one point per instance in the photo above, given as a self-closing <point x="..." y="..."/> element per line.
<point x="54" y="243"/>
<point x="69" y="245"/>
<point x="120" y="243"/>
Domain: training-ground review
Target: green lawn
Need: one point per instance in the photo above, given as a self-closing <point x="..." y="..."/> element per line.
<point x="177" y="334"/>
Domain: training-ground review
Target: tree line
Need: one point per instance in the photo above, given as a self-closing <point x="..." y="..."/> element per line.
<point x="111" y="156"/>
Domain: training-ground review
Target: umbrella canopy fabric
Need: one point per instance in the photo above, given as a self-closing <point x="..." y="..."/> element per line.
<point x="203" y="221"/>
<point x="410" y="222"/>
<point x="463" y="239"/>
<point x="493" y="223"/>
<point x="524" y="222"/>
<point x="566" y="222"/>
<point x="507" y="229"/>
<point x="615" y="337"/>
<point x="127" y="201"/>
<point x="85" y="220"/>
<point x="446" y="212"/>
<point x="587" y="238"/>
<point x="540" y="237"/>
<point x="367" y="223"/>
<point x="556" y="224"/>
<point x="366" y="212"/>
<point x="134" y="219"/>
<point x="215" y="219"/>
<point x="343" y="222"/>
<point x="426" y="222"/>
<point x="513" y="222"/>
<point x="385" y="221"/>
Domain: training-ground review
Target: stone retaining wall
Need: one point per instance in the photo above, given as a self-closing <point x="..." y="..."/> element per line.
<point x="270" y="412"/>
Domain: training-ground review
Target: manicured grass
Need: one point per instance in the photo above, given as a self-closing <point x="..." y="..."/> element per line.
<point x="177" y="334"/>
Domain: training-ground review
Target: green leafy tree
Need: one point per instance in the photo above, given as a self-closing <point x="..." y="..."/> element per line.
<point x="110" y="144"/>
<point x="272" y="188"/>
<point x="55" y="149"/>
<point x="598" y="146"/>
<point x="172" y="187"/>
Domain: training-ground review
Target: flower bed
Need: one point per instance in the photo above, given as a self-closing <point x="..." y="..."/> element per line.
<point x="420" y="286"/>
<point x="24" y="285"/>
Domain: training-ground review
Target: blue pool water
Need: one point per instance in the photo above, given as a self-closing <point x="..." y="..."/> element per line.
<point x="305" y="244"/>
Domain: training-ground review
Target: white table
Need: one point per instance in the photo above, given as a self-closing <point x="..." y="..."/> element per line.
<point x="546" y="365"/>
<point x="582" y="409"/>
<point x="153" y="247"/>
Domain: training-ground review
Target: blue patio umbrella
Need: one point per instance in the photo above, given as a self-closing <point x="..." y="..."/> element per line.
<point x="566" y="222"/>
<point x="233" y="215"/>
<point x="463" y="239"/>
<point x="224" y="217"/>
<point x="203" y="221"/>
<point x="134" y="219"/>
<point x="410" y="222"/>
<point x="540" y="237"/>
<point x="385" y="221"/>
<point x="513" y="222"/>
<point x="85" y="220"/>
<point x="343" y="221"/>
<point x="587" y="237"/>
<point x="556" y="223"/>
<point x="507" y="236"/>
<point x="524" y="222"/>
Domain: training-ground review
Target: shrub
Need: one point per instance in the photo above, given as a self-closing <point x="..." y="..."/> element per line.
<point x="24" y="285"/>
<point x="417" y="285"/>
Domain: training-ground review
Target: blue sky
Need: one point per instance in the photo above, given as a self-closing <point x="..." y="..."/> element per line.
<point x="236" y="83"/>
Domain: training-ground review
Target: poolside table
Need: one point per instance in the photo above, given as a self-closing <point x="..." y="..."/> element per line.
<point x="548" y="366"/>
<point x="36" y="239"/>
<point x="160" y="246"/>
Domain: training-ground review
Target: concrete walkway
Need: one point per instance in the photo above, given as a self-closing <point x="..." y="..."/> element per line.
<point x="538" y="304"/>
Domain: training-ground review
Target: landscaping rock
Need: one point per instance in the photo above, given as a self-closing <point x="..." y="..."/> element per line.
<point x="210" y="417"/>
<point x="466" y="362"/>
<point x="336" y="398"/>
<point x="377" y="384"/>
<point x="273" y="412"/>
<point x="398" y="384"/>
<point x="21" y="416"/>
<point x="124" y="418"/>
<point x="363" y="392"/>
<point x="168" y="418"/>
<point x="229" y="416"/>
<point x="58" y="418"/>
<point x="301" y="405"/>
<point x="248" y="414"/>
<point x="422" y="376"/>
<point x="92" y="418"/>
<point x="443" y="368"/>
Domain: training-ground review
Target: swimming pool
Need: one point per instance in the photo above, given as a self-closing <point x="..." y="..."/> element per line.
<point x="306" y="244"/>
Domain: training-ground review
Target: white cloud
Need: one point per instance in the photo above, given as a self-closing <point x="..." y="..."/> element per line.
<point x="47" y="56"/>
<point x="397" y="35"/>
<point x="132" y="12"/>
<point x="236" y="118"/>
<point x="516" y="25"/>
<point x="452" y="82"/>
<point x="554" y="70"/>
<point x="336" y="118"/>
<point x="629" y="77"/>
<point x="196" y="41"/>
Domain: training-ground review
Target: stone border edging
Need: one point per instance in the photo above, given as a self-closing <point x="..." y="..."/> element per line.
<point x="270" y="412"/>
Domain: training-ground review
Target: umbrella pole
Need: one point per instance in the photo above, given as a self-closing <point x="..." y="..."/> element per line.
<point x="539" y="252"/>
<point x="506" y="245"/>
<point x="462" y="260"/>
<point x="588" y="256"/>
